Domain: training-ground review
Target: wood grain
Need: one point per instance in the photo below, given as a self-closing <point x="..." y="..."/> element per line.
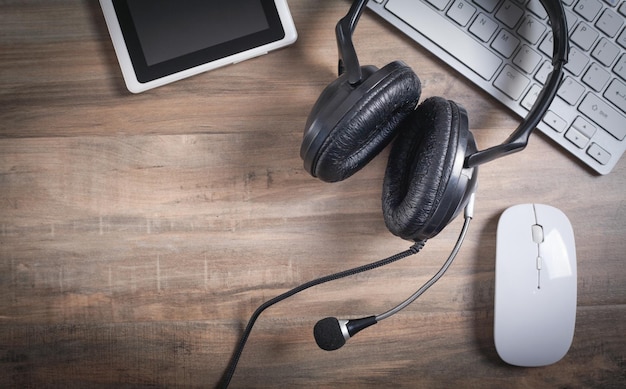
<point x="139" y="232"/>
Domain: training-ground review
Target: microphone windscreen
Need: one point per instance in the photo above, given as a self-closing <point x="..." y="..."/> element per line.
<point x="328" y="335"/>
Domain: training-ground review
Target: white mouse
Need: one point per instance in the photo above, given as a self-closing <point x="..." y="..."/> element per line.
<point x="535" y="295"/>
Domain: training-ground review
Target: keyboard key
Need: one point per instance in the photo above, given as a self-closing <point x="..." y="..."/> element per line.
<point x="577" y="61"/>
<point x="455" y="41"/>
<point x="596" y="77"/>
<point x="616" y="94"/>
<point x="439" y="4"/>
<point x="602" y="114"/>
<point x="605" y="52"/>
<point x="505" y="43"/>
<point x="599" y="154"/>
<point x="487" y="5"/>
<point x="571" y="18"/>
<point x="622" y="9"/>
<point x="584" y="36"/>
<point x="570" y="90"/>
<point x="554" y="121"/>
<point x="483" y="27"/>
<point x="461" y="12"/>
<point x="511" y="82"/>
<point x="588" y="9"/>
<point x="621" y="39"/>
<point x="546" y="45"/>
<point x="609" y="22"/>
<point x="527" y="59"/>
<point x="584" y="127"/>
<point x="531" y="29"/>
<point x="536" y="7"/>
<point x="531" y="97"/>
<point x="543" y="72"/>
<point x="620" y="67"/>
<point x="509" y="14"/>
<point x="578" y="139"/>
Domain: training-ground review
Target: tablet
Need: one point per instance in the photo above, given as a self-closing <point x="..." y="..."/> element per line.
<point x="161" y="41"/>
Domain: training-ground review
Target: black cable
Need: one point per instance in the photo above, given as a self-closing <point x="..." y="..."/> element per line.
<point x="228" y="375"/>
<point x="434" y="279"/>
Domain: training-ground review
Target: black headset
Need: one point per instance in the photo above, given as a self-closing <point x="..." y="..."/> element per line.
<point x="433" y="164"/>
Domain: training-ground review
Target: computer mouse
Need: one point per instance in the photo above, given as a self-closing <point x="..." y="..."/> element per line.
<point x="536" y="285"/>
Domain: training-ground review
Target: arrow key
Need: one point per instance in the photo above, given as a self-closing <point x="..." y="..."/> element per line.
<point x="584" y="127"/>
<point x="599" y="154"/>
<point x="554" y="121"/>
<point x="577" y="138"/>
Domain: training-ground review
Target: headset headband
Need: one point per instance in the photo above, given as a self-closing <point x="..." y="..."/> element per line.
<point x="517" y="141"/>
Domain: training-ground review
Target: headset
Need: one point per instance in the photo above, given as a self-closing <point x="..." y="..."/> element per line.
<point x="432" y="170"/>
<point x="433" y="163"/>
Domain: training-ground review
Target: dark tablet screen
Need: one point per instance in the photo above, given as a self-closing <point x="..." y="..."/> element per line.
<point x="168" y="36"/>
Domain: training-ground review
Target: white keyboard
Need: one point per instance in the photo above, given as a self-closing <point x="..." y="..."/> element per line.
<point x="505" y="48"/>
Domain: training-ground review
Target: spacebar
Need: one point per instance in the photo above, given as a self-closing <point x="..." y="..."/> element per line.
<point x="449" y="38"/>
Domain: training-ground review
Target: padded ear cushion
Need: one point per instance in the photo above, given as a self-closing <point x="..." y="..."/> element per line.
<point x="369" y="124"/>
<point x="419" y="167"/>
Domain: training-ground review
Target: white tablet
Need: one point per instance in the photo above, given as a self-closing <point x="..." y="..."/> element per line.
<point x="161" y="41"/>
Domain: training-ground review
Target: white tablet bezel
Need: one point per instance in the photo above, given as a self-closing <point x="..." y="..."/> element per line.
<point x="128" y="71"/>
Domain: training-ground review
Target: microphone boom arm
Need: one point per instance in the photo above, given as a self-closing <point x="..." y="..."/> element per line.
<point x="434" y="279"/>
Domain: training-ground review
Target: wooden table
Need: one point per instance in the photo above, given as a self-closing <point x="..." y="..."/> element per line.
<point x="139" y="232"/>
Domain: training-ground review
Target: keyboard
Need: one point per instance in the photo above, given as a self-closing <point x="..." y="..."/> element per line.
<point x="505" y="48"/>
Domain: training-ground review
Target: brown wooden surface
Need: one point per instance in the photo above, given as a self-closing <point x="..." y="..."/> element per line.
<point x="139" y="232"/>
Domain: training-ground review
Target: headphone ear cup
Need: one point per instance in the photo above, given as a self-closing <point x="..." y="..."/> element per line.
<point x="420" y="166"/>
<point x="347" y="133"/>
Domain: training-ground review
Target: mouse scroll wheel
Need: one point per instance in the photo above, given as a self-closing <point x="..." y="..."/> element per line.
<point x="537" y="233"/>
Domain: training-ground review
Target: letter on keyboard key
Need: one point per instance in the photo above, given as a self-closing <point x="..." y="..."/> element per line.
<point x="609" y="119"/>
<point x="531" y="29"/>
<point x="509" y="14"/>
<point x="505" y="43"/>
<point x="588" y="9"/>
<point x="461" y="12"/>
<point x="584" y="36"/>
<point x="456" y="42"/>
<point x="483" y="27"/>
<point x="511" y="82"/>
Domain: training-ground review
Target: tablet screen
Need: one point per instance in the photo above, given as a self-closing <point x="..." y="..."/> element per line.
<point x="168" y="36"/>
